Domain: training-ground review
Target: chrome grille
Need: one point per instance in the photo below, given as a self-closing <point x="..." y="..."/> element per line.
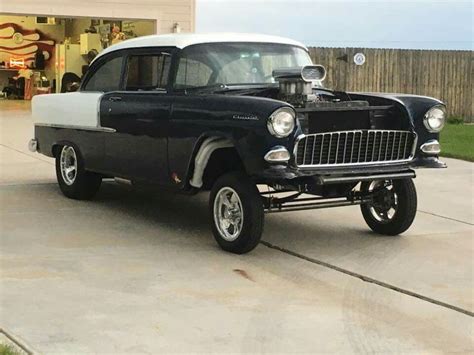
<point x="354" y="147"/>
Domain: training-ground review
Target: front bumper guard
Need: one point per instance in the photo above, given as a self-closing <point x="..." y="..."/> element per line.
<point x="327" y="180"/>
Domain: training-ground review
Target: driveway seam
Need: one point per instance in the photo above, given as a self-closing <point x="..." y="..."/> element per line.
<point x="450" y="218"/>
<point x="7" y="184"/>
<point x="369" y="279"/>
<point x="28" y="155"/>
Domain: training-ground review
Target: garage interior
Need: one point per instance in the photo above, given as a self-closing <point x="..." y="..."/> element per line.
<point x="41" y="55"/>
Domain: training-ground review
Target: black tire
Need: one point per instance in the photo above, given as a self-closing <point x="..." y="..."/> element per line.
<point x="85" y="184"/>
<point x="404" y="214"/>
<point x="249" y="199"/>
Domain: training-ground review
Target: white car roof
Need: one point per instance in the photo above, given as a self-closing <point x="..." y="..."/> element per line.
<point x="182" y="40"/>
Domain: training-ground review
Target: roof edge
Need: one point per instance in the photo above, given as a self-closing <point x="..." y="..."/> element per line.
<point x="183" y="40"/>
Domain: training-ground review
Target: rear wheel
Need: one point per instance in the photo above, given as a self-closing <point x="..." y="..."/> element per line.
<point x="237" y="214"/>
<point x="393" y="207"/>
<point x="73" y="180"/>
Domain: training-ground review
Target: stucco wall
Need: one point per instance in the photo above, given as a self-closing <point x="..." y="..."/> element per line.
<point x="165" y="12"/>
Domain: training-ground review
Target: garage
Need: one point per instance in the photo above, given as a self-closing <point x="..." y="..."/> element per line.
<point x="46" y="46"/>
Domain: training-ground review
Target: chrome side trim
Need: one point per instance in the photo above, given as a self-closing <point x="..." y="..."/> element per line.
<point x="123" y="181"/>
<point x="99" y="103"/>
<point x="81" y="128"/>
<point x="357" y="149"/>
<point x="202" y="157"/>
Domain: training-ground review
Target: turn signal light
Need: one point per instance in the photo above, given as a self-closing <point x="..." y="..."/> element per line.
<point x="431" y="147"/>
<point x="277" y="155"/>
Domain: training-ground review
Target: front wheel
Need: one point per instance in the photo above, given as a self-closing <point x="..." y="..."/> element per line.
<point x="236" y="210"/>
<point x="393" y="206"/>
<point x="74" y="181"/>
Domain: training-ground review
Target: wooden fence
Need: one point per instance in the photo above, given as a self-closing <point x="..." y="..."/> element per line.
<point x="446" y="75"/>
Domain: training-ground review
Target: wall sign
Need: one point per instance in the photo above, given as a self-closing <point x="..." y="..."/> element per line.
<point x="359" y="58"/>
<point x="19" y="42"/>
<point x="17" y="38"/>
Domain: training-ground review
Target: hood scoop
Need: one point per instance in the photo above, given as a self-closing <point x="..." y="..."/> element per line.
<point x="296" y="84"/>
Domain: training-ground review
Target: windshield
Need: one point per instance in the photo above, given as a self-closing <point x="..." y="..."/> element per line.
<point x="236" y="63"/>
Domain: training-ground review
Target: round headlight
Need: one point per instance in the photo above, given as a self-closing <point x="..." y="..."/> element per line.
<point x="435" y="118"/>
<point x="282" y="122"/>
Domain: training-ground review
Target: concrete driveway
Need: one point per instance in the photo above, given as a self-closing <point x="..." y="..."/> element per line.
<point x="134" y="272"/>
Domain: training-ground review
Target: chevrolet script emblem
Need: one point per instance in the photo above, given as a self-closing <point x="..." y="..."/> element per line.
<point x="245" y="117"/>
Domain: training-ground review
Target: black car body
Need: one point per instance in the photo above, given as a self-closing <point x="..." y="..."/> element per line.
<point x="199" y="112"/>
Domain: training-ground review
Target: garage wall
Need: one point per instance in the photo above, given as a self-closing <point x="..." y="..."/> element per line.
<point x="139" y="28"/>
<point x="28" y="23"/>
<point x="63" y="28"/>
<point x="165" y="12"/>
<point x="76" y="27"/>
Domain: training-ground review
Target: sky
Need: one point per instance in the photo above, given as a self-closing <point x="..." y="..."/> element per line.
<point x="410" y="24"/>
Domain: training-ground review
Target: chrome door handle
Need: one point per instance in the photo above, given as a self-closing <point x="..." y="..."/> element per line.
<point x="115" y="98"/>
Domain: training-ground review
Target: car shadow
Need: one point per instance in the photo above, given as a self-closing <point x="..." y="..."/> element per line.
<point x="190" y="214"/>
<point x="186" y="212"/>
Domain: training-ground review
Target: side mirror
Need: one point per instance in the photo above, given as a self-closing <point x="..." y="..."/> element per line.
<point x="74" y="86"/>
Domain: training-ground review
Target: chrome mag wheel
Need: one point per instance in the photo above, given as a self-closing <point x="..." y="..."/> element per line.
<point x="228" y="214"/>
<point x="236" y="210"/>
<point x="68" y="165"/>
<point x="385" y="201"/>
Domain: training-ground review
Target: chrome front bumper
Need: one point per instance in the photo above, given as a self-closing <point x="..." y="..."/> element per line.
<point x="327" y="180"/>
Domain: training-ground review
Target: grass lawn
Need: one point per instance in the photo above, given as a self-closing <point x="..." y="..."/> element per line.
<point x="8" y="350"/>
<point x="457" y="141"/>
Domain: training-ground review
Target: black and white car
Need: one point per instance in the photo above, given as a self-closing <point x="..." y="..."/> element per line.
<point x="229" y="112"/>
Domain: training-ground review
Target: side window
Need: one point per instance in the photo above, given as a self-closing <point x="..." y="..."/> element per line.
<point x="107" y="77"/>
<point x="148" y="72"/>
<point x="192" y="73"/>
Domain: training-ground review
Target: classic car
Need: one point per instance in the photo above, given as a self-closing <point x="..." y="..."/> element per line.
<point x="246" y="117"/>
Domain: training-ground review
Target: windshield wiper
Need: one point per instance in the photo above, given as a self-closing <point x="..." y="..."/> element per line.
<point x="208" y="88"/>
<point x="251" y="90"/>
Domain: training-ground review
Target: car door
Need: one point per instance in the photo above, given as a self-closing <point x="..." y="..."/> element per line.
<point x="104" y="75"/>
<point x="139" y="113"/>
